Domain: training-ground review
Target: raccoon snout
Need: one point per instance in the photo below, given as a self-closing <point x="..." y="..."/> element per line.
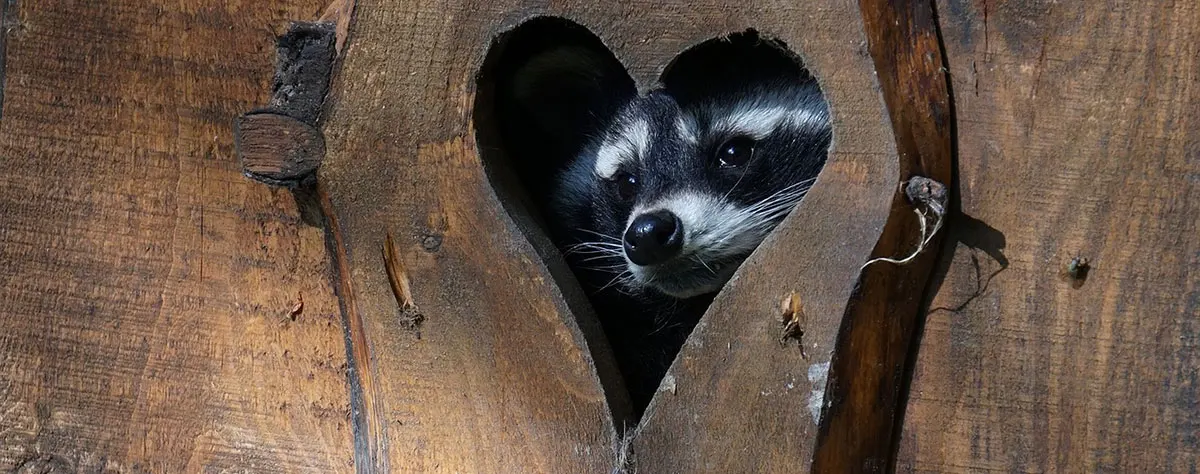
<point x="653" y="238"/>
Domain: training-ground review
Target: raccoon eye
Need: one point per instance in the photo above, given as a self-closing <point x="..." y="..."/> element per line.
<point x="735" y="152"/>
<point x="627" y="185"/>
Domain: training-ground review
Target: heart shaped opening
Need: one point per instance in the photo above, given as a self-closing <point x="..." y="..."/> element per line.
<point x="652" y="199"/>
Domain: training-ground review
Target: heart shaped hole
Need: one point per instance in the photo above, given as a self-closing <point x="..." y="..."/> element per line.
<point x="653" y="199"/>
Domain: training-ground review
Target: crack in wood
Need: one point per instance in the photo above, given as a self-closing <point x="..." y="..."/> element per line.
<point x="366" y="403"/>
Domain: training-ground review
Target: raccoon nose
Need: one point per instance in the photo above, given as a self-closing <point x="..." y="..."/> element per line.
<point x="653" y="238"/>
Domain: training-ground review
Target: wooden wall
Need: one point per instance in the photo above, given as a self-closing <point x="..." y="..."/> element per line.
<point x="150" y="316"/>
<point x="145" y="285"/>
<point x="1077" y="136"/>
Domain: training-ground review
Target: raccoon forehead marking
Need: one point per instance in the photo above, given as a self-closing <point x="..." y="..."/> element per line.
<point x="758" y="121"/>
<point x="685" y="126"/>
<point x="629" y="142"/>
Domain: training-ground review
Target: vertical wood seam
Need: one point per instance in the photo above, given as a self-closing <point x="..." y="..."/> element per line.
<point x="366" y="404"/>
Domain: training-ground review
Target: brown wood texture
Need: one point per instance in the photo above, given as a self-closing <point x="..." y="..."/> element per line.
<point x="150" y="316"/>
<point x="1078" y="136"/>
<point x="501" y="378"/>
<point x="864" y="399"/>
<point x="277" y="149"/>
<point x="736" y="400"/>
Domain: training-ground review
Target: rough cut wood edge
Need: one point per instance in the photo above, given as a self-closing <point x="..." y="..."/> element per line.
<point x="864" y="395"/>
<point x="467" y="377"/>
<point x="424" y="139"/>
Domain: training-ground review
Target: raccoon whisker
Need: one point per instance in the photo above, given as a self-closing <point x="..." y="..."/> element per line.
<point x="595" y="244"/>
<point x="625" y="287"/>
<point x="615" y="256"/>
<point x="604" y="268"/>
<point x="599" y="249"/>
<point x="779" y="208"/>
<point x="664" y="323"/>
<point x="594" y="247"/>
<point x="602" y="235"/>
<point x="705" y="264"/>
<point x="759" y="219"/>
<point x="588" y="250"/>
<point x="745" y="169"/>
<point x="623" y="291"/>
<point x="800" y="188"/>
<point x="614" y="280"/>
<point x="593" y="252"/>
<point x="778" y="201"/>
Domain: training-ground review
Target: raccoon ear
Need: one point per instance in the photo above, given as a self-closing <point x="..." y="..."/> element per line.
<point x="557" y="94"/>
<point x="719" y="66"/>
<point x="570" y="88"/>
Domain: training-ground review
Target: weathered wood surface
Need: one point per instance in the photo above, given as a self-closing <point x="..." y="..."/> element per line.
<point x="737" y="400"/>
<point x="504" y="359"/>
<point x="864" y="400"/>
<point x="1079" y="134"/>
<point x="146" y="287"/>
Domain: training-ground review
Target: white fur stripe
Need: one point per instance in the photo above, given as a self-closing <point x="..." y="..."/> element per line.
<point x="629" y="144"/>
<point x="758" y="122"/>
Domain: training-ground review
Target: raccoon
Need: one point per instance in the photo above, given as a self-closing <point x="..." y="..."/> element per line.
<point x="655" y="199"/>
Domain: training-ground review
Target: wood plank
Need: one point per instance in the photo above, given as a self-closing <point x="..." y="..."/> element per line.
<point x="498" y="377"/>
<point x="147" y="290"/>
<point x="866" y="393"/>
<point x="501" y="377"/>
<point x="1077" y="124"/>
<point x="737" y="400"/>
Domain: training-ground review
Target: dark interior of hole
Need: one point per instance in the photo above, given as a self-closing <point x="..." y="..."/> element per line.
<point x="532" y="125"/>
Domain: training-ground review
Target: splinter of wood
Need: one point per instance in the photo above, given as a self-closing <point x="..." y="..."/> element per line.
<point x="410" y="316"/>
<point x="339" y="13"/>
<point x="297" y="308"/>
<point x="794" y="320"/>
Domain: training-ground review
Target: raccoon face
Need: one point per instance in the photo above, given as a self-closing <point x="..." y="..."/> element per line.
<point x="680" y="194"/>
<point x="668" y="192"/>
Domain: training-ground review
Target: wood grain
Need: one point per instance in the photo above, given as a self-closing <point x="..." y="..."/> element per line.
<point x="510" y="374"/>
<point x="277" y="149"/>
<point x="736" y="400"/>
<point x="864" y="400"/>
<point x="501" y="378"/>
<point x="147" y="288"/>
<point x="1077" y="126"/>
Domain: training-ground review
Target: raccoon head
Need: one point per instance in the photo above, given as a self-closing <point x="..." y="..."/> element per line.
<point x="670" y="191"/>
<point x="687" y="191"/>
